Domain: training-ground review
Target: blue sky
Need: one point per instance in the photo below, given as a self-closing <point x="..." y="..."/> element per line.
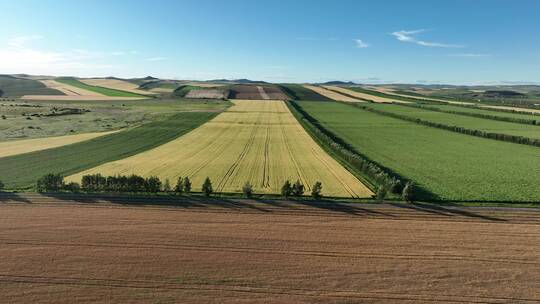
<point x="480" y="42"/>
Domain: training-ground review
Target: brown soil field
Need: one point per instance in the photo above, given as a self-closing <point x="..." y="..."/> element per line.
<point x="111" y="250"/>
<point x="206" y="94"/>
<point x="72" y="93"/>
<point x="243" y="91"/>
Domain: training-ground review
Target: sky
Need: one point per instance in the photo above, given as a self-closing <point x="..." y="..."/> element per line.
<point x="452" y="42"/>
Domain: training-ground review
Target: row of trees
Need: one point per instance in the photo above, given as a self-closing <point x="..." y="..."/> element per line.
<point x="497" y="136"/>
<point x="385" y="180"/>
<point x="138" y="184"/>
<point x="477" y="115"/>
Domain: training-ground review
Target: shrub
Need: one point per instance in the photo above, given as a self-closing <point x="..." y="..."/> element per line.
<point x="247" y="189"/>
<point x="1" y="186"/>
<point x="286" y="189"/>
<point x="50" y="183"/>
<point x="73" y="187"/>
<point x="298" y="188"/>
<point x="408" y="192"/>
<point x="316" y="190"/>
<point x="187" y="185"/>
<point x="207" y="188"/>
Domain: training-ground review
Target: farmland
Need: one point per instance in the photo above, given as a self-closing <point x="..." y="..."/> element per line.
<point x="254" y="141"/>
<point x="22" y="171"/>
<point x="298" y="92"/>
<point x="102" y="250"/>
<point x="450" y="165"/>
<point x="256" y="92"/>
<point x="331" y="94"/>
<point x="100" y="90"/>
<point x="486" y="125"/>
<point x="364" y="96"/>
<point x="14" y="147"/>
<point x="14" y="87"/>
<point x="115" y="84"/>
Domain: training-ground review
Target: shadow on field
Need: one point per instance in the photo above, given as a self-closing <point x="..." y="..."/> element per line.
<point x="10" y="197"/>
<point x="261" y="205"/>
<point x="445" y="211"/>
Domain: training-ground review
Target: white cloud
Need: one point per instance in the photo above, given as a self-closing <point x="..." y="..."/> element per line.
<point x="156" y="58"/>
<point x="361" y="44"/>
<point x="19" y="42"/>
<point x="470" y="55"/>
<point x="408" y="36"/>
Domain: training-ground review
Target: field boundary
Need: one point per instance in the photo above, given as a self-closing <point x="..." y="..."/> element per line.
<point x="472" y="132"/>
<point x="373" y="174"/>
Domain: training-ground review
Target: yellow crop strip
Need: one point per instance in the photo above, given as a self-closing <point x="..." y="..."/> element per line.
<point x="254" y="140"/>
<point x="331" y="94"/>
<point x="14" y="147"/>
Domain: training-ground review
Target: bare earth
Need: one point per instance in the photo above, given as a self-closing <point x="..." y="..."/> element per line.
<point x="72" y="93"/>
<point x="206" y="94"/>
<point x="236" y="251"/>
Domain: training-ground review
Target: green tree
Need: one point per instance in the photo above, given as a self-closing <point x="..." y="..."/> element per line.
<point x="1" y="186"/>
<point x="286" y="189"/>
<point x="187" y="185"/>
<point x="247" y="189"/>
<point x="179" y="188"/>
<point x="408" y="192"/>
<point x="153" y="184"/>
<point x="298" y="188"/>
<point x="207" y="188"/>
<point x="316" y="190"/>
<point x="167" y="186"/>
<point x="73" y="187"/>
<point x="381" y="193"/>
<point x="50" y="183"/>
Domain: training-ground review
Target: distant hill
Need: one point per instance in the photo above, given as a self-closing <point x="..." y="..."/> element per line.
<point x="337" y="82"/>
<point x="15" y="87"/>
<point x="240" y="81"/>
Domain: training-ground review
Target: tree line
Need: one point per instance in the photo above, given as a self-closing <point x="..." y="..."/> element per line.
<point x="477" y="115"/>
<point x="497" y="136"/>
<point x="384" y="179"/>
<point x="137" y="184"/>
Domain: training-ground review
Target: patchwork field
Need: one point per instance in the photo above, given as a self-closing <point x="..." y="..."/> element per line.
<point x="11" y="86"/>
<point x="234" y="251"/>
<point x="254" y="141"/>
<point x="363" y="96"/>
<point x="331" y="94"/>
<point x="21" y="171"/>
<point x="517" y="109"/>
<point x="75" y="90"/>
<point x="486" y="125"/>
<point x="452" y="166"/>
<point x="420" y="97"/>
<point x="298" y="92"/>
<point x="206" y="94"/>
<point x="486" y="111"/>
<point x="256" y="92"/>
<point x="115" y="84"/>
<point x="14" y="147"/>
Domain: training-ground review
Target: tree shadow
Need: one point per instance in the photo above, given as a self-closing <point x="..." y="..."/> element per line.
<point x="446" y="211"/>
<point x="10" y="197"/>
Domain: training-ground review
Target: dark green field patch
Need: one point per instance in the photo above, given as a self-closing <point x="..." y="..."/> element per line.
<point x="298" y="92"/>
<point x="15" y="87"/>
<point x="101" y="90"/>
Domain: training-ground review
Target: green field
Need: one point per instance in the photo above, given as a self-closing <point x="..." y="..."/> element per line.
<point x="516" y="115"/>
<point x="15" y="87"/>
<point x="453" y="166"/>
<point x="298" y="92"/>
<point x="486" y="125"/>
<point x="22" y="171"/>
<point x="105" y="91"/>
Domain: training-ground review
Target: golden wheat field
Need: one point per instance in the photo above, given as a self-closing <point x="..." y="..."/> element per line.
<point x="115" y="84"/>
<point x="258" y="141"/>
<point x="365" y="96"/>
<point x="331" y="94"/>
<point x="15" y="147"/>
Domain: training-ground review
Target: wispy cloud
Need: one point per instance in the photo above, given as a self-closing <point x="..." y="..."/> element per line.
<point x="156" y="58"/>
<point x="361" y="44"/>
<point x="409" y="36"/>
<point x="19" y="42"/>
<point x="470" y="55"/>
